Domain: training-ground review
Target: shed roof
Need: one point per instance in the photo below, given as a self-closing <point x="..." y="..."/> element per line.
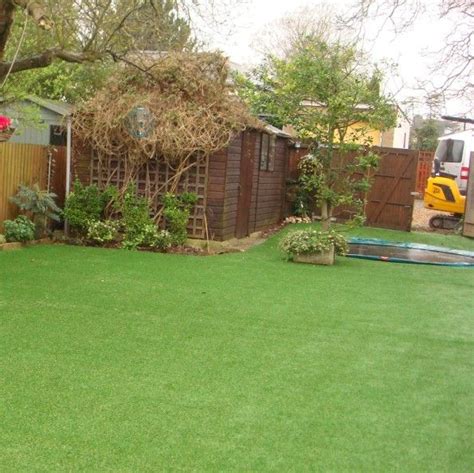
<point x="61" y="108"/>
<point x="273" y="130"/>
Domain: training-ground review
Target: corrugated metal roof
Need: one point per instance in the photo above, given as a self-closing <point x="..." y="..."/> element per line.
<point x="61" y="108"/>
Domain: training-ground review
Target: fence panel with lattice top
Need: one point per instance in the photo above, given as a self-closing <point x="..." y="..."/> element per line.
<point x="154" y="179"/>
<point x="423" y="172"/>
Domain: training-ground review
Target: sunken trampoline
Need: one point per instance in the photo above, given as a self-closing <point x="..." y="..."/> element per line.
<point x="382" y="250"/>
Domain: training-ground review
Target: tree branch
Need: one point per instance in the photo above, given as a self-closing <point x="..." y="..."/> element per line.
<point x="36" y="11"/>
<point x="45" y="59"/>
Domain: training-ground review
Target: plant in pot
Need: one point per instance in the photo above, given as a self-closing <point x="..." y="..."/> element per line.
<point x="314" y="246"/>
<point x="6" y="128"/>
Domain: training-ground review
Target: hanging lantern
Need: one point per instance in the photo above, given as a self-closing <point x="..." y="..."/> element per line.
<point x="139" y="122"/>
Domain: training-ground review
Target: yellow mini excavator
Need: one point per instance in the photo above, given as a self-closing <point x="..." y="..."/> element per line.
<point x="442" y="193"/>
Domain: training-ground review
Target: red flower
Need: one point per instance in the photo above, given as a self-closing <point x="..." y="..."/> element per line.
<point x="5" y="122"/>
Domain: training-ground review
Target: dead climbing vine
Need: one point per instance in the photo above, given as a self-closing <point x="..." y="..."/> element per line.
<point x="187" y="107"/>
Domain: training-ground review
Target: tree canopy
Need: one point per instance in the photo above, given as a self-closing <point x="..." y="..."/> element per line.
<point x="67" y="36"/>
<point x="426" y="135"/>
<point x="332" y="99"/>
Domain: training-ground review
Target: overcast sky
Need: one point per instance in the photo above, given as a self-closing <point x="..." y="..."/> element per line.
<point x="409" y="50"/>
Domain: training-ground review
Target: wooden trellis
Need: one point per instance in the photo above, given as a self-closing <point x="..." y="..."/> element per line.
<point x="154" y="179"/>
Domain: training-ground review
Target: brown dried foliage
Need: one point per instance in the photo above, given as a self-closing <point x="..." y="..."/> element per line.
<point x="192" y="110"/>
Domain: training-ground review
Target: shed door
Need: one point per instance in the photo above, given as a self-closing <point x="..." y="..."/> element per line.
<point x="247" y="162"/>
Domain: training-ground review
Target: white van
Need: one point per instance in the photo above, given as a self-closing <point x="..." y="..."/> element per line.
<point x="454" y="152"/>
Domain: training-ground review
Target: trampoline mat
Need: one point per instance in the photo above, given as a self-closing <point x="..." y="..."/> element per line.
<point x="411" y="255"/>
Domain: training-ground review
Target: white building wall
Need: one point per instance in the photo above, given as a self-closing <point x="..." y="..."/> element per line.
<point x="401" y="135"/>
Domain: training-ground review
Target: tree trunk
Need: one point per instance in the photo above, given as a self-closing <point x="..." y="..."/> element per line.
<point x="325" y="216"/>
<point x="6" y="20"/>
<point x="35" y="10"/>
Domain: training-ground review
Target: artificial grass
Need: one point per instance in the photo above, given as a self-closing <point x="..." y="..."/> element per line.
<point x="127" y="361"/>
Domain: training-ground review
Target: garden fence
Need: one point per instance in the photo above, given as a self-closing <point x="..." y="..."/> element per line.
<point x="28" y="164"/>
<point x="423" y="172"/>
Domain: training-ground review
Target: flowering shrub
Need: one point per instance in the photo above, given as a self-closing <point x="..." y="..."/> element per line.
<point x="147" y="236"/>
<point x="102" y="232"/>
<point x="21" y="229"/>
<point x="5" y="123"/>
<point x="164" y="240"/>
<point x="297" y="220"/>
<point x="86" y="204"/>
<point x="304" y="242"/>
<point x="2" y="239"/>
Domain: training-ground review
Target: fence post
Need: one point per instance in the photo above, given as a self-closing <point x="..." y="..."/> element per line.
<point x="468" y="228"/>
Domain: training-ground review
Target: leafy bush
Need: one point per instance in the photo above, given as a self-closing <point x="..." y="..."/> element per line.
<point x="86" y="204"/>
<point x="39" y="203"/>
<point x="149" y="237"/>
<point x="144" y="236"/>
<point x="21" y="229"/>
<point x="139" y="228"/>
<point x="2" y="239"/>
<point x="164" y="240"/>
<point x="102" y="232"/>
<point x="177" y="209"/>
<point x="313" y="242"/>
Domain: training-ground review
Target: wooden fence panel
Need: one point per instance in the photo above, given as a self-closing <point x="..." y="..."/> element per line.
<point x="468" y="228"/>
<point x="20" y="164"/>
<point x="423" y="172"/>
<point x="391" y="199"/>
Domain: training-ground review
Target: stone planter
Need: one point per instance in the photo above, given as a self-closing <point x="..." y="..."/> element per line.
<point x="11" y="246"/>
<point x="326" y="258"/>
<point x="17" y="245"/>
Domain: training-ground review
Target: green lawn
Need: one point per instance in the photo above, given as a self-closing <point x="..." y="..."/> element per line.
<point x="129" y="362"/>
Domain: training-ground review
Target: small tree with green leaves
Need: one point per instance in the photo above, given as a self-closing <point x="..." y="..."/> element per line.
<point x="39" y="204"/>
<point x="332" y="99"/>
<point x="426" y="136"/>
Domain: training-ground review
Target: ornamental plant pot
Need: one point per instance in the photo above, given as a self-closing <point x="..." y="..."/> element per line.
<point x="5" y="135"/>
<point x="325" y="258"/>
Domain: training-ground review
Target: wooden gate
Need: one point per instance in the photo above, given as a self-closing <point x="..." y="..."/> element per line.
<point x="391" y="198"/>
<point x="245" y="186"/>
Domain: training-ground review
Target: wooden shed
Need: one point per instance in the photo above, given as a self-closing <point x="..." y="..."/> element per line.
<point x="49" y="126"/>
<point x="240" y="189"/>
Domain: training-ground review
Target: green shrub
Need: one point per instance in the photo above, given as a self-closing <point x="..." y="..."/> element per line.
<point x="138" y="227"/>
<point x="2" y="239"/>
<point x="40" y="204"/>
<point x="177" y="209"/>
<point x="102" y="232"/>
<point x="144" y="236"/>
<point x="21" y="229"/>
<point x="164" y="240"/>
<point x="313" y="242"/>
<point x="86" y="204"/>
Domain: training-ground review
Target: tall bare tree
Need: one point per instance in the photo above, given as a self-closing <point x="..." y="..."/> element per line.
<point x="285" y="36"/>
<point x="452" y="69"/>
